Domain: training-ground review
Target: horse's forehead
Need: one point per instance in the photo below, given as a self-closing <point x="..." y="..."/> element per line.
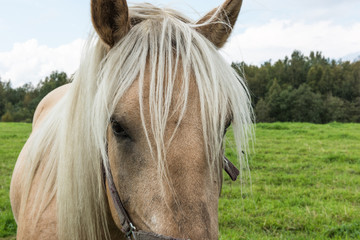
<point x="129" y="102"/>
<point x="130" y="99"/>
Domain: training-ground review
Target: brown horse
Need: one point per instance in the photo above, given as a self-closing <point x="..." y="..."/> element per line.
<point x="133" y="147"/>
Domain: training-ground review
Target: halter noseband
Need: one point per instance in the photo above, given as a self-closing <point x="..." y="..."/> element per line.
<point x="126" y="225"/>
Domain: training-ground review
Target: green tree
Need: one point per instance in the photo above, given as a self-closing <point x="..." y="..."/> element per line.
<point x="354" y="110"/>
<point x="298" y="69"/>
<point x="7" y="117"/>
<point x="274" y="101"/>
<point x="257" y="79"/>
<point x="19" y="104"/>
<point x="334" y="110"/>
<point x="302" y="88"/>
<point x="326" y="82"/>
<point x="314" y="76"/>
<point x="262" y="111"/>
<point x="2" y="98"/>
<point x="307" y="105"/>
<point x="51" y="82"/>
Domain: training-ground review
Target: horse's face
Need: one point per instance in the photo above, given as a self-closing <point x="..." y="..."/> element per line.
<point x="188" y="206"/>
<point x="179" y="196"/>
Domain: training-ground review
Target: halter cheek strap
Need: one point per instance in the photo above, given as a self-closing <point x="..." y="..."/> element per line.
<point x="126" y="225"/>
<point x="230" y="169"/>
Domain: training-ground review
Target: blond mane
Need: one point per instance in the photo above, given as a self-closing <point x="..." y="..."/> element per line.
<point x="74" y="133"/>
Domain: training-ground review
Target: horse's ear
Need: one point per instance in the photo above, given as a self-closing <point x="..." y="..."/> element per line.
<point x="110" y="19"/>
<point x="219" y="29"/>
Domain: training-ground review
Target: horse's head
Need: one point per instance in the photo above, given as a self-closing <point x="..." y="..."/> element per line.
<point x="170" y="98"/>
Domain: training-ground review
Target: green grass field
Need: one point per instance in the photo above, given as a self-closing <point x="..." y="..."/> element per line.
<point x="12" y="138"/>
<point x="305" y="183"/>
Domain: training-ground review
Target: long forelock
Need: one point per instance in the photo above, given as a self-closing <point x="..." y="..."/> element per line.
<point x="165" y="42"/>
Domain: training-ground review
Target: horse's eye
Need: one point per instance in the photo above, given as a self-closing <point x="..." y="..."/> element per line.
<point x="227" y="125"/>
<point x="118" y="130"/>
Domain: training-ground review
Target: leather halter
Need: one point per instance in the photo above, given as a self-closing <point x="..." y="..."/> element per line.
<point x="126" y="225"/>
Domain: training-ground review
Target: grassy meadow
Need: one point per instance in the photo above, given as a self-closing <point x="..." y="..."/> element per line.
<point x="12" y="138"/>
<point x="305" y="183"/>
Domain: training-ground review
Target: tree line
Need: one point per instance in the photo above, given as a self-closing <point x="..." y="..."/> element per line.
<point x="304" y="89"/>
<point x="19" y="104"/>
<point x="296" y="89"/>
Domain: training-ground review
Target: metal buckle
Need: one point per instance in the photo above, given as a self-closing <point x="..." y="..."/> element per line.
<point x="131" y="232"/>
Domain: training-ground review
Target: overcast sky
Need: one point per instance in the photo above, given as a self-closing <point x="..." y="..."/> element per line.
<point x="39" y="36"/>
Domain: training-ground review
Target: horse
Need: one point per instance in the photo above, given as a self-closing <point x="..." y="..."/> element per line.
<point x="133" y="147"/>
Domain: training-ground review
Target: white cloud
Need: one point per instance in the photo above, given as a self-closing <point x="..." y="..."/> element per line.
<point x="31" y="62"/>
<point x="279" y="38"/>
